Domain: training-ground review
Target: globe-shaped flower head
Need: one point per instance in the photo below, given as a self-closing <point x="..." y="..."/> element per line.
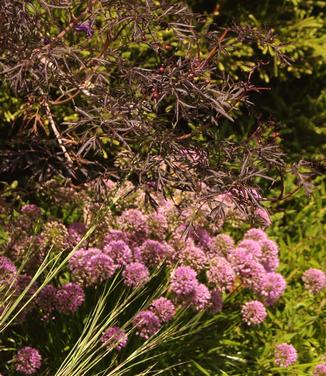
<point x="320" y="370"/>
<point x="146" y="324"/>
<point x="256" y="234"/>
<point x="69" y="298"/>
<point x="221" y="274"/>
<point x="114" y="337"/>
<point x="28" y="361"/>
<point x="314" y="280"/>
<point x="253" y="313"/>
<point x="183" y="281"/>
<point x="135" y="274"/>
<point x="163" y="308"/>
<point x="285" y="355"/>
<point x="119" y="252"/>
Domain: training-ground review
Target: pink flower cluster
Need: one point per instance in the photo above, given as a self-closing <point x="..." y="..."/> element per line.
<point x="7" y="271"/>
<point x="147" y="323"/>
<point x="320" y="370"/>
<point x="114" y="337"/>
<point x="91" y="266"/>
<point x="28" y="361"/>
<point x="253" y="312"/>
<point x="69" y="298"/>
<point x="314" y="280"/>
<point x="285" y="355"/>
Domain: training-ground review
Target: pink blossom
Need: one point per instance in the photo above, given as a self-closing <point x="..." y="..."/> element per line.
<point x="28" y="360"/>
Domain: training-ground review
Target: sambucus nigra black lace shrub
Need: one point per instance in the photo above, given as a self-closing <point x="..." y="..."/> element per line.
<point x="112" y="88"/>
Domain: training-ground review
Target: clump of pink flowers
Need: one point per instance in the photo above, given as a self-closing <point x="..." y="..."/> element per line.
<point x="221" y="274"/>
<point x="7" y="270"/>
<point x="193" y="256"/>
<point x="200" y="298"/>
<point x="196" y="265"/>
<point x="119" y="252"/>
<point x="47" y="301"/>
<point x="270" y="287"/>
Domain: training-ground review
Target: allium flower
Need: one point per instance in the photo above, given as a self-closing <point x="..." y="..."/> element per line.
<point x="252" y="246"/>
<point x="269" y="257"/>
<point x="246" y="266"/>
<point x="75" y="232"/>
<point x="153" y="252"/>
<point x="163" y="308"/>
<point x="192" y="256"/>
<point x="135" y="223"/>
<point x="221" y="274"/>
<point x="270" y="287"/>
<point x="320" y="370"/>
<point x="8" y="270"/>
<point x="200" y="298"/>
<point x="183" y="281"/>
<point x="253" y="313"/>
<point x="69" y="298"/>
<point x="115" y="235"/>
<point x="314" y="280"/>
<point x="27" y="361"/>
<point x="91" y="266"/>
<point x="146" y="324"/>
<point x="256" y="234"/>
<point x="115" y="337"/>
<point x="158" y="225"/>
<point x="216" y="302"/>
<point x="262" y="217"/>
<point x="31" y="209"/>
<point x="135" y="274"/>
<point x="47" y="301"/>
<point x="119" y="251"/>
<point x="285" y="355"/>
<point x="222" y="244"/>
